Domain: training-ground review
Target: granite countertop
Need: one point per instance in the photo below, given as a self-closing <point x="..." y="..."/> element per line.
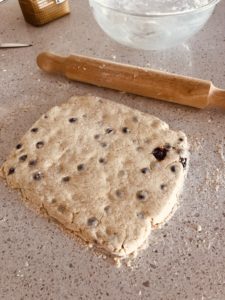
<point x="186" y="258"/>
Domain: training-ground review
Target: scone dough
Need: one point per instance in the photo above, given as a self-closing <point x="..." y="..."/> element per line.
<point x="105" y="171"/>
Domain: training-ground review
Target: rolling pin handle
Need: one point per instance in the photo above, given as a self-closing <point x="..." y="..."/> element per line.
<point x="216" y="97"/>
<point x="51" y="63"/>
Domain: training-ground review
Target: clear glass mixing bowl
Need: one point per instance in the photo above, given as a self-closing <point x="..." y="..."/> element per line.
<point x="151" y="24"/>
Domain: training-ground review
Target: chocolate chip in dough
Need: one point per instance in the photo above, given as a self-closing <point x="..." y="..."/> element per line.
<point x="183" y="161"/>
<point x="108" y="130"/>
<point x="160" y="153"/>
<point x="163" y="186"/>
<point x="92" y="222"/>
<point x="167" y="146"/>
<point x="73" y="120"/>
<point x="80" y="167"/>
<point x="125" y="130"/>
<point x="23" y="157"/>
<point x="97" y="136"/>
<point x="141" y="215"/>
<point x="39" y="145"/>
<point x="32" y="162"/>
<point x="35" y="129"/>
<point x="173" y="169"/>
<point x="142" y="195"/>
<point x="119" y="193"/>
<point x="102" y="160"/>
<point x="107" y="209"/>
<point x="37" y="176"/>
<point x="104" y="145"/>
<point x="61" y="208"/>
<point x="66" y="179"/>
<point x="145" y="170"/>
<point x="11" y="171"/>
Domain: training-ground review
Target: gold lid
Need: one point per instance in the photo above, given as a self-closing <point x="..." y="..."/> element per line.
<point x="40" y="12"/>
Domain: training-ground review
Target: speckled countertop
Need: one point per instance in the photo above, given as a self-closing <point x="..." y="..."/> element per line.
<point x="186" y="258"/>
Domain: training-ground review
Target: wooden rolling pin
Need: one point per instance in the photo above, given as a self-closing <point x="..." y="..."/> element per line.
<point x="140" y="81"/>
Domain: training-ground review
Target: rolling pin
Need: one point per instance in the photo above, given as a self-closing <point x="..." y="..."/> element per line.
<point x="136" y="80"/>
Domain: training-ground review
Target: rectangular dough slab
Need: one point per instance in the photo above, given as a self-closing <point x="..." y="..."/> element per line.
<point x="105" y="171"/>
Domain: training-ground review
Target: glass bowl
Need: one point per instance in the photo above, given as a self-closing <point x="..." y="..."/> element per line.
<point x="151" y="24"/>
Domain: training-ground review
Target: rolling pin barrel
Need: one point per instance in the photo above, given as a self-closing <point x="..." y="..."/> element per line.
<point x="136" y="80"/>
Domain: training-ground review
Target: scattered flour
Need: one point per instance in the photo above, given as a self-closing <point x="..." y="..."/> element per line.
<point x="220" y="149"/>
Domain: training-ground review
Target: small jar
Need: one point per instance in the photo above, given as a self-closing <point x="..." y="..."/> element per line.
<point x="40" y="12"/>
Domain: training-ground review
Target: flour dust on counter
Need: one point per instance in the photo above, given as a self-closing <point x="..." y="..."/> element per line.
<point x="107" y="173"/>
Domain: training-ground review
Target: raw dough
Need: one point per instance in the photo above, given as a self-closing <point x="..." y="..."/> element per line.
<point x="105" y="171"/>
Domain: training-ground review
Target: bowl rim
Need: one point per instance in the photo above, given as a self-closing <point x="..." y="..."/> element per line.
<point x="156" y="15"/>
